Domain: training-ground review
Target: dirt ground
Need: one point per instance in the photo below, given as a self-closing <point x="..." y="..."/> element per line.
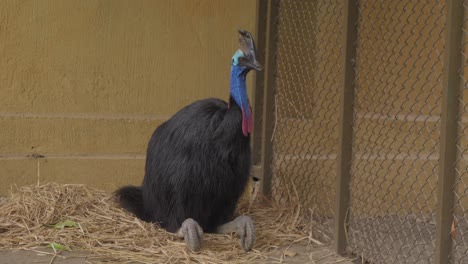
<point x="293" y="255"/>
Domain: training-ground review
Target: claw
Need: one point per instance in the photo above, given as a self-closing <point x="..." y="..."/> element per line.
<point x="192" y="234"/>
<point x="246" y="231"/>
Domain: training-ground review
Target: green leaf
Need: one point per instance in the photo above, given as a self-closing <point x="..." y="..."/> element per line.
<point x="58" y="246"/>
<point x="63" y="224"/>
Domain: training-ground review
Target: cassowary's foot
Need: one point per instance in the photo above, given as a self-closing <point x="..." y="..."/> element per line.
<point x="244" y="226"/>
<point x="246" y="230"/>
<point x="192" y="233"/>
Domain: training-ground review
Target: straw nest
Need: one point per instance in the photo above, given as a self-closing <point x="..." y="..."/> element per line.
<point x="110" y="234"/>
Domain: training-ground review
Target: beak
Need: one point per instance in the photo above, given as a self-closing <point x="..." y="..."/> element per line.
<point x="254" y="65"/>
<point x="247" y="46"/>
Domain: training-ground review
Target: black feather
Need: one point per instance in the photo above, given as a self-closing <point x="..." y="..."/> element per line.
<point x="197" y="166"/>
<point x="131" y="199"/>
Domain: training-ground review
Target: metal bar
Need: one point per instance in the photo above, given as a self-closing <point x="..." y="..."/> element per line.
<point x="448" y="138"/>
<point x="345" y="126"/>
<point x="268" y="96"/>
<point x="261" y="28"/>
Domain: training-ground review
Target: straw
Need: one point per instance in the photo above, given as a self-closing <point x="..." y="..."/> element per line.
<point x="112" y="235"/>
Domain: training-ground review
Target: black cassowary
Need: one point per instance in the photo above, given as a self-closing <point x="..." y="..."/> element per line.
<point x="198" y="163"/>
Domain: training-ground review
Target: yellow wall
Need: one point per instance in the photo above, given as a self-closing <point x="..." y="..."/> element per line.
<point x="399" y="68"/>
<point x="307" y="102"/>
<point x="85" y="83"/>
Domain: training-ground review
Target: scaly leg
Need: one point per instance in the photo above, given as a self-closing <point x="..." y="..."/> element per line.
<point x="192" y="233"/>
<point x="244" y="226"/>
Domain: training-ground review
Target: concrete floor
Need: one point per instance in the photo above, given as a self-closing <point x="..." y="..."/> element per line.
<point x="35" y="257"/>
<point x="302" y="254"/>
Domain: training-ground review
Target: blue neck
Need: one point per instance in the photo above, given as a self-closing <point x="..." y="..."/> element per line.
<point x="239" y="94"/>
<point x="238" y="87"/>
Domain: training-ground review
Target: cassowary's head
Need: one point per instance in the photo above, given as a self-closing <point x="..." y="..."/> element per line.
<point x="243" y="61"/>
<point x="245" y="57"/>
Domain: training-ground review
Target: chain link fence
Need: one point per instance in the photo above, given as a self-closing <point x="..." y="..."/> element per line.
<point x="310" y="40"/>
<point x="398" y="87"/>
<point x="460" y="210"/>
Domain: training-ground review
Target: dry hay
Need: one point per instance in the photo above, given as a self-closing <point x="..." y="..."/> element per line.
<point x="112" y="235"/>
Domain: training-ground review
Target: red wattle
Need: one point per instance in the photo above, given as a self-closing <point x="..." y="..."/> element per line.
<point x="247" y="123"/>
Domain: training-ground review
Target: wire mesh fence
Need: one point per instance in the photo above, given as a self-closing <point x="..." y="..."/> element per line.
<point x="310" y="39"/>
<point x="398" y="88"/>
<point x="459" y="234"/>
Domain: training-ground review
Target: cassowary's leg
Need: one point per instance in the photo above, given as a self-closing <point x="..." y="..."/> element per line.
<point x="244" y="226"/>
<point x="192" y="233"/>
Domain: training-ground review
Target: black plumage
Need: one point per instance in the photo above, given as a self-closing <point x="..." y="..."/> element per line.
<point x="197" y="166"/>
<point x="198" y="163"/>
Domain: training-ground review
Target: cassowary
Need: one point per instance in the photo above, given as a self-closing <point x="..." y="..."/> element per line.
<point x="198" y="164"/>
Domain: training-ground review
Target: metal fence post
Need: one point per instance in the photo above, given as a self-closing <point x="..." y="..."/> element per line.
<point x="261" y="28"/>
<point x="448" y="137"/>
<point x="268" y="97"/>
<point x="345" y="126"/>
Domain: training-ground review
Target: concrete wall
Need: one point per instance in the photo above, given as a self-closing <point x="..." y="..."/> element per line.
<point x="398" y="92"/>
<point x="84" y="83"/>
<point x="307" y="99"/>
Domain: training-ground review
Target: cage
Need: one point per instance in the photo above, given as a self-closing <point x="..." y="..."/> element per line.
<point x="365" y="123"/>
